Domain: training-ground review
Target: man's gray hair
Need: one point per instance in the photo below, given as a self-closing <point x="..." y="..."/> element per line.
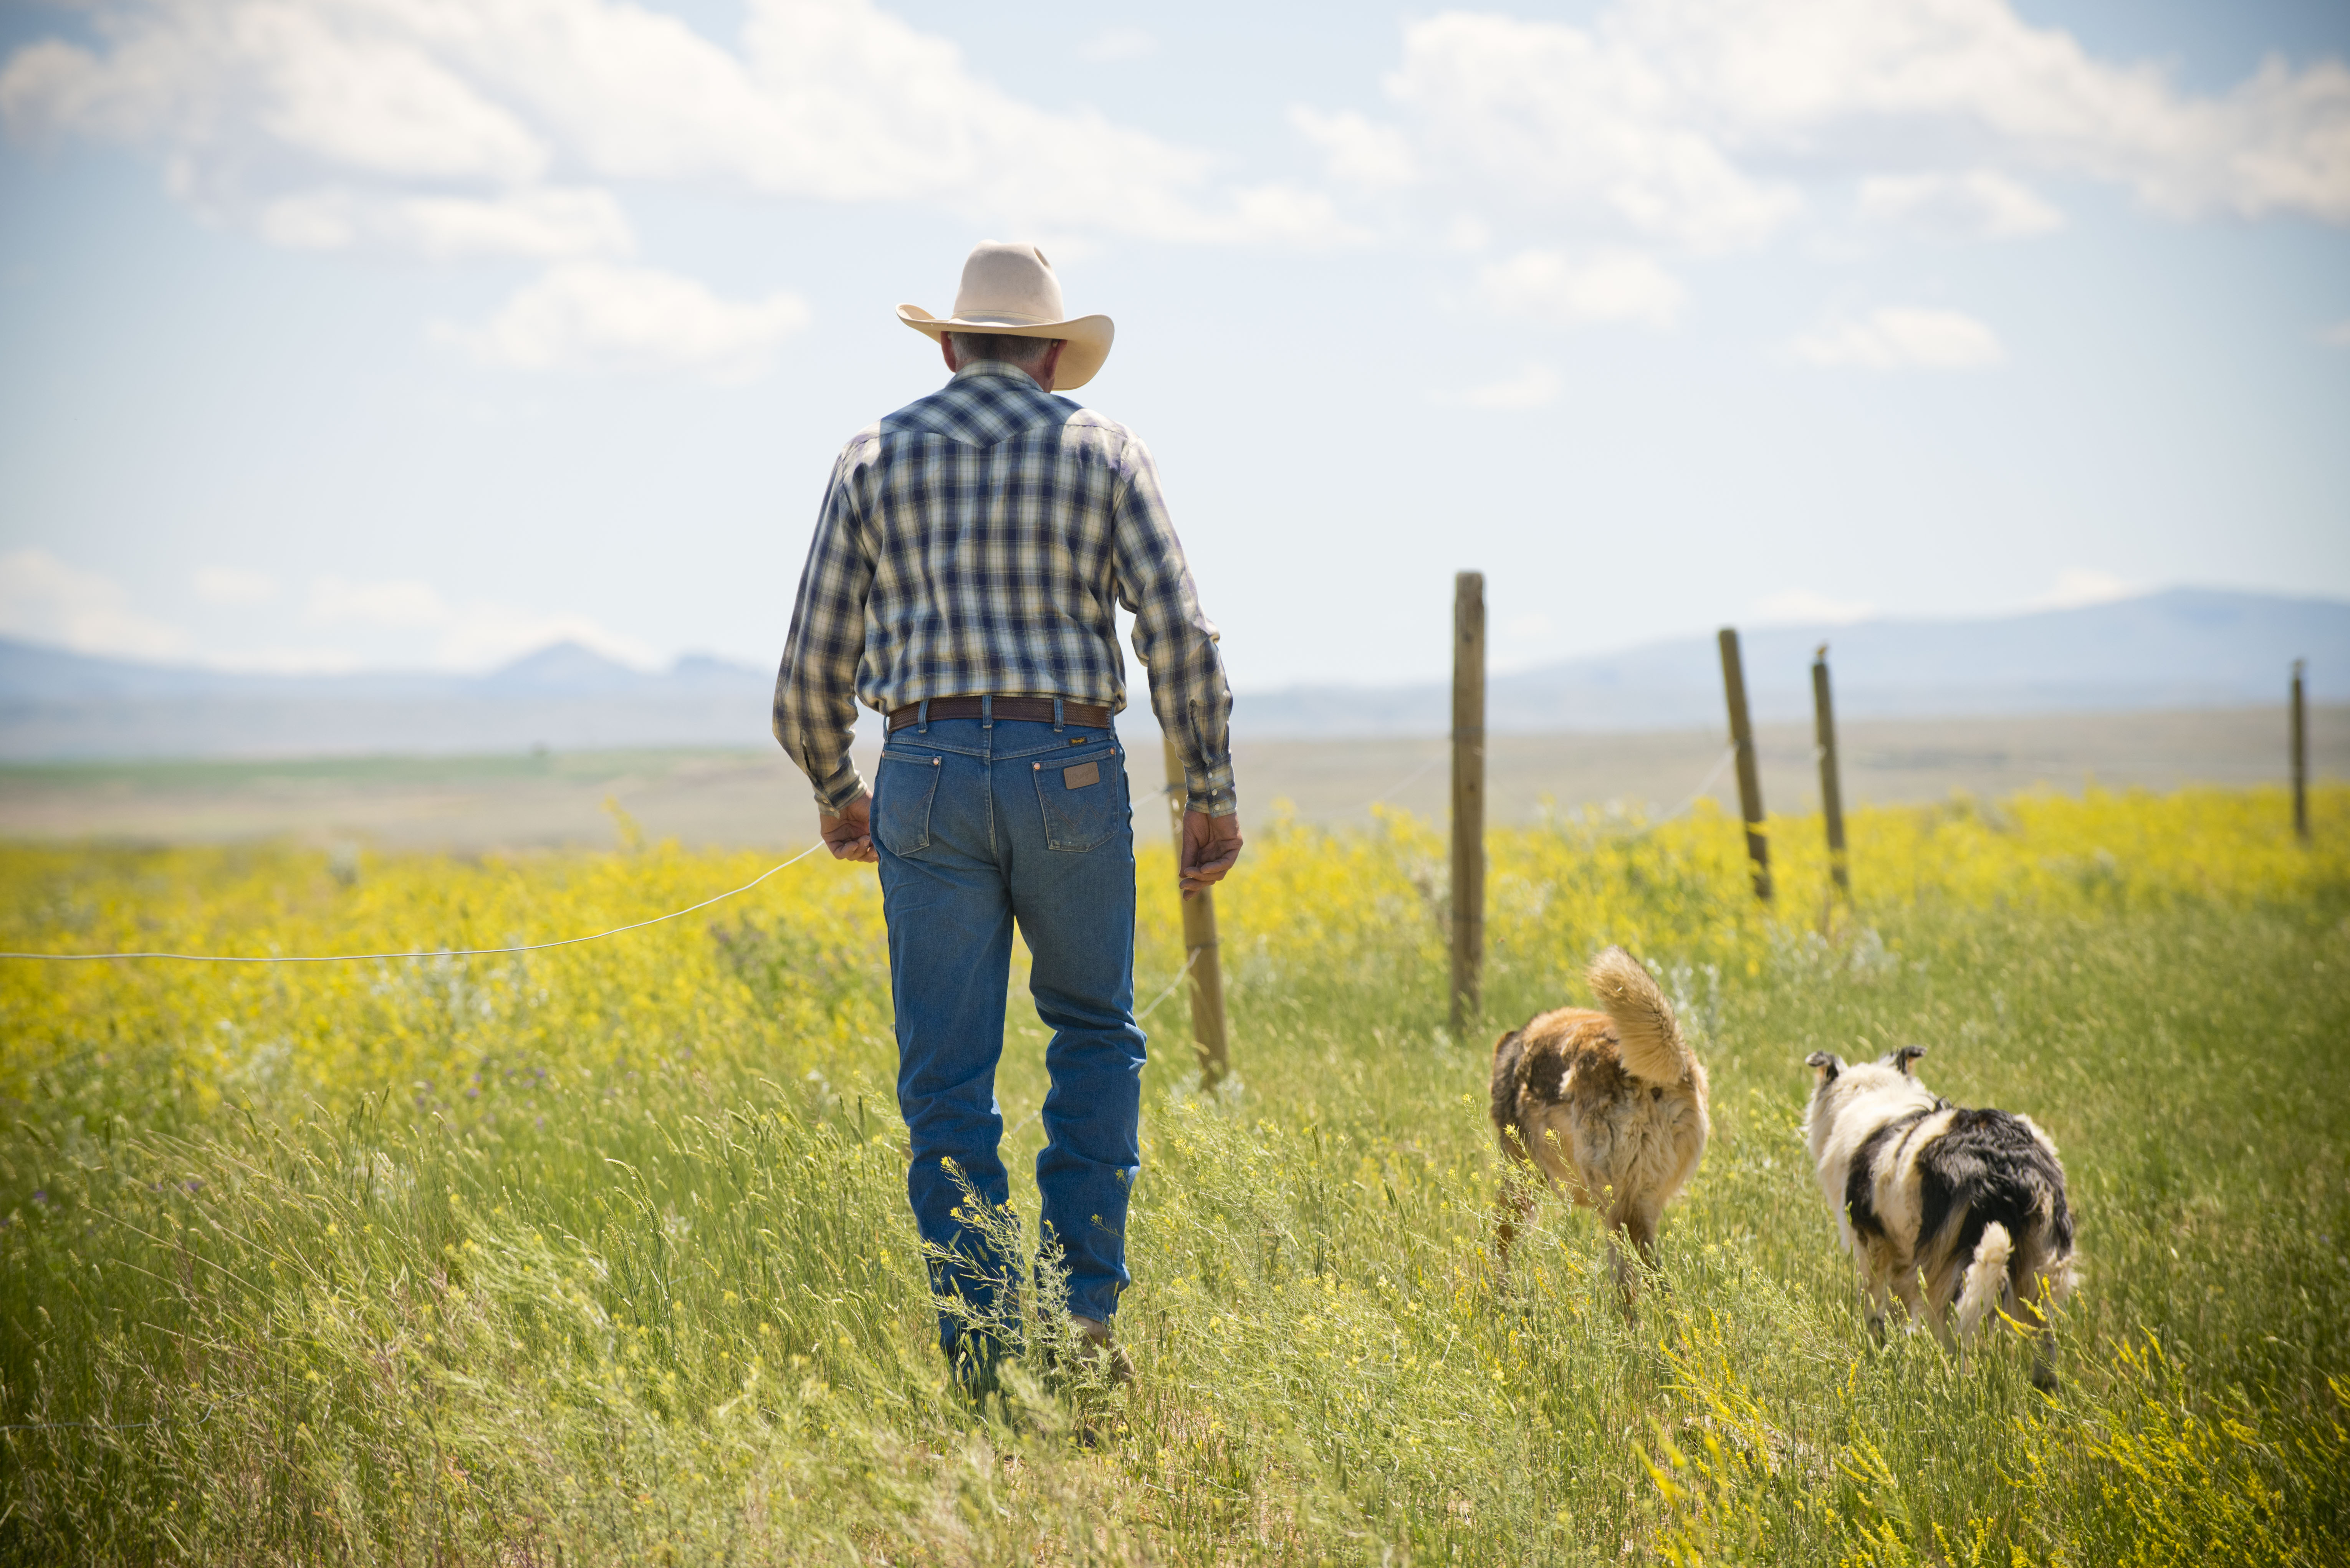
<point x="1026" y="352"/>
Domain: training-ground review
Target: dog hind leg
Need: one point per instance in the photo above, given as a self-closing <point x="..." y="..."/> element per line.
<point x="2038" y="1315"/>
<point x="1512" y="1207"/>
<point x="1910" y="1290"/>
<point x="1622" y="1258"/>
<point x="1513" y="1201"/>
<point x="1632" y="1249"/>
<point x="1873" y="1302"/>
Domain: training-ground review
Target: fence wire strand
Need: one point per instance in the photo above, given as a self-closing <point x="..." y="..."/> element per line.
<point x="1180" y="977"/>
<point x="1404" y="783"/>
<point x="1695" y="795"/>
<point x="111" y="1426"/>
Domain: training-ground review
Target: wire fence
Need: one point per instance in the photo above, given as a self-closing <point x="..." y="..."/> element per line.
<point x="114" y="1425"/>
<point x="1405" y="783"/>
<point x="1712" y="775"/>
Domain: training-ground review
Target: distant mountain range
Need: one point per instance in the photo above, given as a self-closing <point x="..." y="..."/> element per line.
<point x="2186" y="647"/>
<point x="2183" y="648"/>
<point x="56" y="705"/>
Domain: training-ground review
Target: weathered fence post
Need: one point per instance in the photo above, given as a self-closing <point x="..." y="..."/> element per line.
<point x="1467" y="797"/>
<point x="1750" y="780"/>
<point x="2300" y="758"/>
<point x="1200" y="957"/>
<point x="1831" y="782"/>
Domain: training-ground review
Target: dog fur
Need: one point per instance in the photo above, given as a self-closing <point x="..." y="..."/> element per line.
<point x="1951" y="1211"/>
<point x="1610" y="1107"/>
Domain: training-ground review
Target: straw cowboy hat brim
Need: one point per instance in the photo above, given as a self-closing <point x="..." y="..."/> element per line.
<point x="1009" y="290"/>
<point x="1088" y="337"/>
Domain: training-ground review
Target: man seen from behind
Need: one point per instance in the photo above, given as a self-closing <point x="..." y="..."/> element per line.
<point x="967" y="563"/>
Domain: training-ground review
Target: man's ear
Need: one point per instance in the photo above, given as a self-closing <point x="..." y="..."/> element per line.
<point x="1828" y="1066"/>
<point x="1049" y="368"/>
<point x="1905" y="1056"/>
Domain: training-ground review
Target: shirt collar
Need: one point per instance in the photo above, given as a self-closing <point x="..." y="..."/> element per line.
<point x="978" y="368"/>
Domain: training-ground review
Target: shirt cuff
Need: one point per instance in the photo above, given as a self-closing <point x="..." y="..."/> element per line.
<point x="1209" y="791"/>
<point x="836" y="794"/>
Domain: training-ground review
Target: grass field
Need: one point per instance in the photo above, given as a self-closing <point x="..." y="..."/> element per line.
<point x="599" y="1255"/>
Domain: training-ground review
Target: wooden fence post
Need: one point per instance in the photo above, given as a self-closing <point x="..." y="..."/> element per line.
<point x="1200" y="955"/>
<point x="1468" y="798"/>
<point x="1750" y="781"/>
<point x="1831" y="780"/>
<point x="2300" y="759"/>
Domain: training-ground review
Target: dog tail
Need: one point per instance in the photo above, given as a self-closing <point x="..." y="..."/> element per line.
<point x="1648" y="1036"/>
<point x="1986" y="1279"/>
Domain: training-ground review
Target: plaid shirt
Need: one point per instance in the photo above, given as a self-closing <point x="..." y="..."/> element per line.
<point x="975" y="543"/>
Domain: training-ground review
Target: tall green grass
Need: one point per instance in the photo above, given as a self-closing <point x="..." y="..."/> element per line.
<point x="673" y="1311"/>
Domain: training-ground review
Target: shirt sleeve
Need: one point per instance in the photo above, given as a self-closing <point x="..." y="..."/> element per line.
<point x="815" y="688"/>
<point x="1173" y="638"/>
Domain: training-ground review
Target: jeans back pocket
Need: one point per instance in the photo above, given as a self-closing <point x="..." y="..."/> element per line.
<point x="902" y="794"/>
<point x="1083" y="797"/>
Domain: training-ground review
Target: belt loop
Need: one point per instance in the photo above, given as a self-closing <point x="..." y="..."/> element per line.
<point x="1056" y="715"/>
<point x="987" y="713"/>
<point x="922" y="720"/>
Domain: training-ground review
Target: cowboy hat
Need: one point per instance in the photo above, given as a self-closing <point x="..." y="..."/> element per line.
<point x="1009" y="290"/>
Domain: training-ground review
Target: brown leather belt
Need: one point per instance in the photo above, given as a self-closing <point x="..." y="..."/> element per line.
<point x="1085" y="716"/>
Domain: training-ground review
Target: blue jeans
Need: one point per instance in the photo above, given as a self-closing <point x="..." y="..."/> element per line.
<point x="981" y="822"/>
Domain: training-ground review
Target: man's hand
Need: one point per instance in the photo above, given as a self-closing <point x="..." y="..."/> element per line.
<point x="1210" y="846"/>
<point x="849" y="836"/>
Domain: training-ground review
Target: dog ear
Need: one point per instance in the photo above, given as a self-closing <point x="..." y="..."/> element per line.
<point x="1828" y="1066"/>
<point x="1906" y="1055"/>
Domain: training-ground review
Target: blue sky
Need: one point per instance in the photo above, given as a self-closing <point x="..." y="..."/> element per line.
<point x="351" y="333"/>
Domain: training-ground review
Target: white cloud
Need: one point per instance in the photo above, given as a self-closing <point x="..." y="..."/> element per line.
<point x="274" y="660"/>
<point x="1696" y="123"/>
<point x="501" y="127"/>
<point x="328" y="82"/>
<point x="1530" y="388"/>
<point x="1830" y="77"/>
<point x="234" y="586"/>
<point x="1283" y="213"/>
<point x="1554" y="289"/>
<point x="540" y="224"/>
<point x="1806" y="606"/>
<point x="475" y="636"/>
<point x="2337" y="334"/>
<point x="1466" y="233"/>
<point x="1893" y="339"/>
<point x="590" y="316"/>
<point x="43" y="599"/>
<point x="1981" y="203"/>
<point x="2079" y="586"/>
<point x="1553" y="117"/>
<point x="1355" y="151"/>
<point x="488" y="635"/>
<point x="402" y="604"/>
<point x="256" y="102"/>
<point x="1117" y="44"/>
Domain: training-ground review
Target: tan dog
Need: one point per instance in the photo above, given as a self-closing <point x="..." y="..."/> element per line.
<point x="1610" y="1107"/>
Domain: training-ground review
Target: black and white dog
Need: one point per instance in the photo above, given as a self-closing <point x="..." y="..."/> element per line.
<point x="1952" y="1212"/>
